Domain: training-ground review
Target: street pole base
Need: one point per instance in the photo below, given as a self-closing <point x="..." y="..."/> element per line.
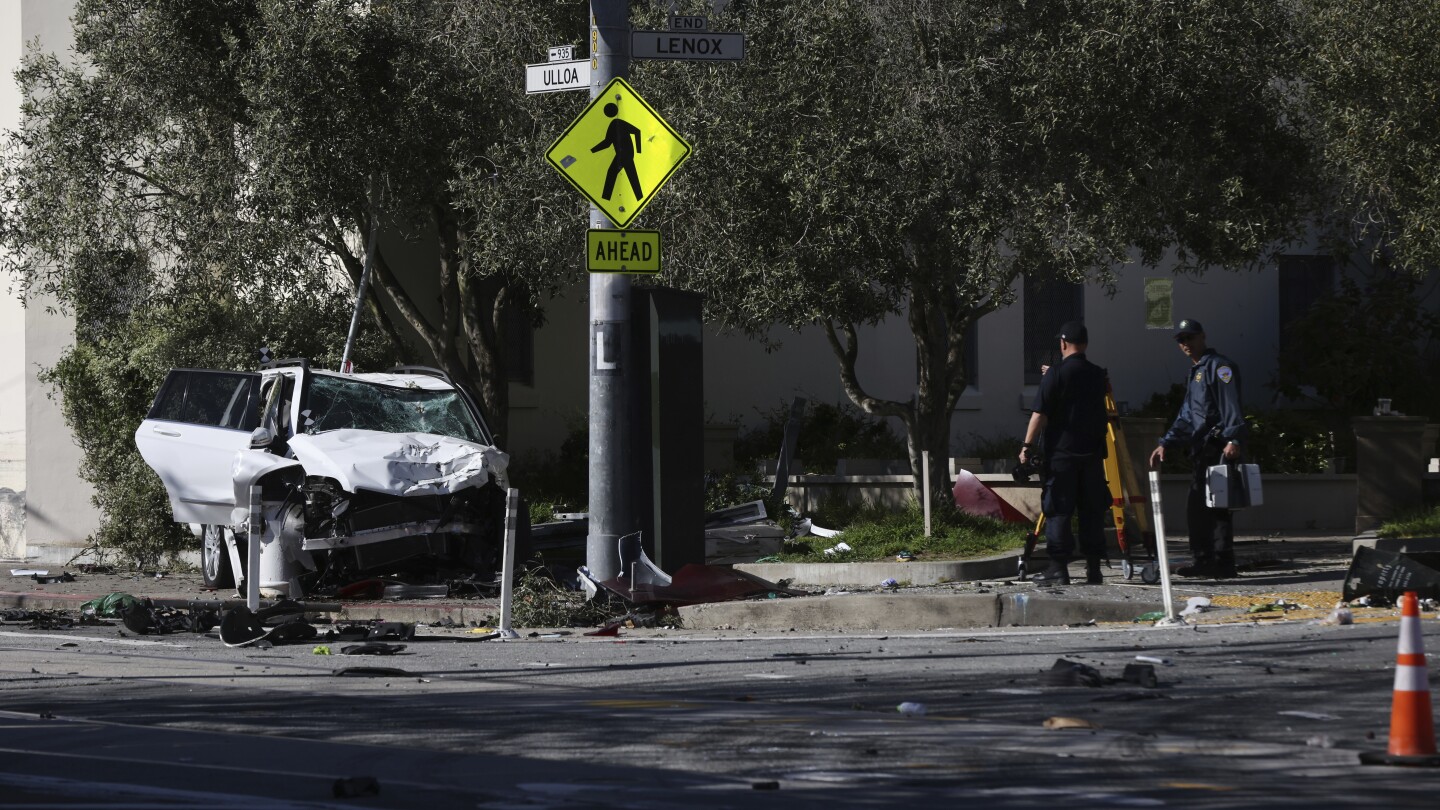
<point x="1382" y="758"/>
<point x="1172" y="621"/>
<point x="509" y="634"/>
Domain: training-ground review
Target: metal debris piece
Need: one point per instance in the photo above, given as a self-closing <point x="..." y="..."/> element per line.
<point x="372" y="648"/>
<point x="370" y="672"/>
<point x="1067" y="722"/>
<point x="1071" y="673"/>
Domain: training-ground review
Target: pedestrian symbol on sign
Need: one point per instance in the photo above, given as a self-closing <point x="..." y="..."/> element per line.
<point x="624" y="138"/>
<point x="618" y="134"/>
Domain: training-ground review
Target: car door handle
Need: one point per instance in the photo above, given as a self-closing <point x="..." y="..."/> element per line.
<point x="164" y="432"/>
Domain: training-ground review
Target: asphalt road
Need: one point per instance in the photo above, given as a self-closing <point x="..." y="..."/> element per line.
<point x="1244" y="716"/>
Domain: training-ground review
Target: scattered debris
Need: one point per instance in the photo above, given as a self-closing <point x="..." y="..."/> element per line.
<point x="1195" y="605"/>
<point x="1339" y="616"/>
<point x="110" y="606"/>
<point x="1067" y="722"/>
<point x="28" y="572"/>
<point x="911" y="709"/>
<point x="144" y="616"/>
<point x="355" y="787"/>
<point x="1140" y="675"/>
<point x="372" y="648"/>
<point x="889" y="582"/>
<point x="839" y="548"/>
<point x="416" y="591"/>
<point x="1152" y="616"/>
<point x="370" y="672"/>
<point x="1071" y="673"/>
<point x="1150" y="659"/>
<point x="1388" y="574"/>
<point x="320" y="649"/>
<point x="45" y="579"/>
<point x="1309" y="715"/>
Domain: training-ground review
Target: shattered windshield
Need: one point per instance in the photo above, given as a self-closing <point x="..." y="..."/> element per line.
<point x="337" y="403"/>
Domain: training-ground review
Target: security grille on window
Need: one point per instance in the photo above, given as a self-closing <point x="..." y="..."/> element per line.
<point x="1048" y="304"/>
<point x="519" y="347"/>
<point x="1303" y="281"/>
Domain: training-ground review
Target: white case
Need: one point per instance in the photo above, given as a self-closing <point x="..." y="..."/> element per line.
<point x="1221" y="492"/>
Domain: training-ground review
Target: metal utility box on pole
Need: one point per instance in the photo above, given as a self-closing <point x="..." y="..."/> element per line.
<point x="668" y="416"/>
<point x="612" y="512"/>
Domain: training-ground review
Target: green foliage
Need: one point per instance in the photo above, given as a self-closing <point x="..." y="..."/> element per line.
<point x="1368" y="340"/>
<point x="1371" y="79"/>
<point x="828" y="433"/>
<point x="225" y="144"/>
<point x="879" y="158"/>
<point x="998" y="445"/>
<point x="1290" y="441"/>
<point x="556" y="481"/>
<point x="879" y="533"/>
<point x="1424" y="523"/>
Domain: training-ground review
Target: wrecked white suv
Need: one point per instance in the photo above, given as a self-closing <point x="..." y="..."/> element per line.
<point x="360" y="474"/>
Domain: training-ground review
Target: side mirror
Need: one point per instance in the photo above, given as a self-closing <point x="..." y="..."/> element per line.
<point x="260" y="438"/>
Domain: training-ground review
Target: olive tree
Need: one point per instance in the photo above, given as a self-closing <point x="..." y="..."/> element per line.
<point x="252" y="141"/>
<point x="915" y="158"/>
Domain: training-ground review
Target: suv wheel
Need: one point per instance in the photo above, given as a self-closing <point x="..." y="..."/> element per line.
<point x="215" y="559"/>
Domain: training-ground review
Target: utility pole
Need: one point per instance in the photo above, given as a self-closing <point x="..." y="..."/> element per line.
<point x="612" y="513"/>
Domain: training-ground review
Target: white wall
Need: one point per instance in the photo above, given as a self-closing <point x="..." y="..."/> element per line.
<point x="743" y="381"/>
<point x="59" y="515"/>
<point x="12" y="315"/>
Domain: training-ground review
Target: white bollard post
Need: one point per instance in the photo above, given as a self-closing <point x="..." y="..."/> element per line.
<point x="507" y="566"/>
<point x="252" y="551"/>
<point x="1162" y="558"/>
<point x="925" y="486"/>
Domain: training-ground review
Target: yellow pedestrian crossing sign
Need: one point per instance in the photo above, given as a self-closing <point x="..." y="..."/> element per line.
<point x="618" y="152"/>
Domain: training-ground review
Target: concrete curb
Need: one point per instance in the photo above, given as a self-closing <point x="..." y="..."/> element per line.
<point x="886" y="611"/>
<point x="873" y="573"/>
<point x="478" y="612"/>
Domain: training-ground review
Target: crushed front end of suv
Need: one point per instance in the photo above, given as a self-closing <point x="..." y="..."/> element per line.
<point x="359" y="475"/>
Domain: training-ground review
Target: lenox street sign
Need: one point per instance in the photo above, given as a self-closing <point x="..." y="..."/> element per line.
<point x="698" y="45"/>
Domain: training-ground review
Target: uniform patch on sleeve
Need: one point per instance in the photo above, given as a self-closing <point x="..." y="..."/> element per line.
<point x="1224" y="373"/>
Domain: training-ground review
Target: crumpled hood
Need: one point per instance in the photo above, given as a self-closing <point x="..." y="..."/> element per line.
<point x="399" y="463"/>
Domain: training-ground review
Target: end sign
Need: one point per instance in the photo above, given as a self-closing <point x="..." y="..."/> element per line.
<point x="615" y="251"/>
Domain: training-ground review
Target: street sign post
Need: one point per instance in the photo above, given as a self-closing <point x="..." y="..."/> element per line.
<point x="615" y="251"/>
<point x="618" y="152"/>
<point x="688" y="45"/>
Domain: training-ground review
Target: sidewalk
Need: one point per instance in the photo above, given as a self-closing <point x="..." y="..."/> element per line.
<point x="1305" y="568"/>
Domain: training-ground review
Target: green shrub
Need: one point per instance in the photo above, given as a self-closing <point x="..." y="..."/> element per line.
<point x="879" y="533"/>
<point x="828" y="433"/>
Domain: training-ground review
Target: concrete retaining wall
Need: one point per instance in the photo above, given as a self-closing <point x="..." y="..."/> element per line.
<point x="1323" y="502"/>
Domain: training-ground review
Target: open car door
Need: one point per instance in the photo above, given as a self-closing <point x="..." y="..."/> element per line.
<point x="199" y="420"/>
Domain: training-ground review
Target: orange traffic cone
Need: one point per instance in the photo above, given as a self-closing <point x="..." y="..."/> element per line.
<point x="1412" y="721"/>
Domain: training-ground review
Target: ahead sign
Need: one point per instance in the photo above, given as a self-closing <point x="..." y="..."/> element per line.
<point x="612" y="251"/>
<point x="706" y="45"/>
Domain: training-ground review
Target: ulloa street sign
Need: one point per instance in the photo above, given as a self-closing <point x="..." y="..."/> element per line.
<point x="618" y="152"/>
<point x="552" y="77"/>
<point x="611" y="251"/>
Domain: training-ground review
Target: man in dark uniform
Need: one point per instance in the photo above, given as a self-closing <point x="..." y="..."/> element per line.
<point x="1070" y="412"/>
<point x="1211" y="427"/>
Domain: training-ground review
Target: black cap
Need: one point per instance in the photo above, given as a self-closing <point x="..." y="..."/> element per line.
<point x="1189" y="326"/>
<point x="1074" y="332"/>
